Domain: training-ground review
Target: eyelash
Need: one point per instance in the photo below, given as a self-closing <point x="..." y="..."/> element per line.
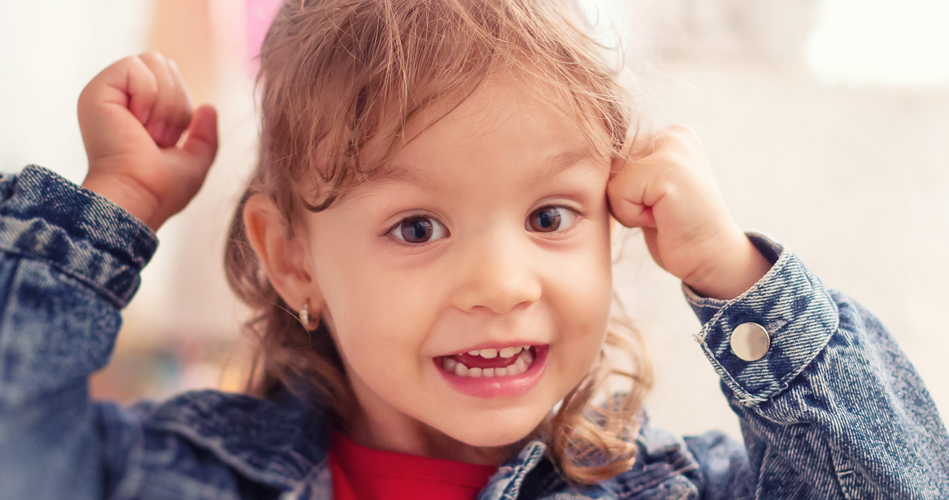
<point x="578" y="214"/>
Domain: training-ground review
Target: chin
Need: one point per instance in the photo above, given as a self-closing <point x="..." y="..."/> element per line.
<point x="494" y="429"/>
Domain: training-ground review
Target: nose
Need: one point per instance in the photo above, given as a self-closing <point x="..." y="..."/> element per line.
<point x="499" y="274"/>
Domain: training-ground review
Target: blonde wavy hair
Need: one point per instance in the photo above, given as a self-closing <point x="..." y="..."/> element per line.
<point x="338" y="75"/>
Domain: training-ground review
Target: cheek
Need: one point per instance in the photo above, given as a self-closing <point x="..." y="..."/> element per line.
<point x="589" y="278"/>
<point x="377" y="317"/>
<point x="582" y="294"/>
<point x="583" y="298"/>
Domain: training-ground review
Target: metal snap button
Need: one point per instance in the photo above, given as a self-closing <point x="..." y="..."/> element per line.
<point x="750" y="341"/>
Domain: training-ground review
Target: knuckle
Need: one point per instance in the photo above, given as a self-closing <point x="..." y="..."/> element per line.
<point x="678" y="133"/>
<point x="139" y="67"/>
<point x="130" y="61"/>
<point x="84" y="96"/>
<point x="687" y="135"/>
<point x="151" y="56"/>
<point x="681" y="129"/>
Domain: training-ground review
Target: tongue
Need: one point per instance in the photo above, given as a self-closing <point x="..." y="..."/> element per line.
<point x="480" y="362"/>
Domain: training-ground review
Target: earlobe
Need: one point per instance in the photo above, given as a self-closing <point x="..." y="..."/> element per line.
<point x="282" y="256"/>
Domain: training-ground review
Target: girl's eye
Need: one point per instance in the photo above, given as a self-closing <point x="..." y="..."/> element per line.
<point x="419" y="229"/>
<point x="550" y="219"/>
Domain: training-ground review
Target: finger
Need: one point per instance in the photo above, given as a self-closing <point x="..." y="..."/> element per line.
<point x="183" y="107"/>
<point x="632" y="192"/>
<point x="141" y="90"/>
<point x="201" y="140"/>
<point x="631" y="214"/>
<point x="119" y="99"/>
<point x="163" y="112"/>
<point x="655" y="146"/>
<point x="640" y="145"/>
<point x="681" y="132"/>
<point x="128" y="84"/>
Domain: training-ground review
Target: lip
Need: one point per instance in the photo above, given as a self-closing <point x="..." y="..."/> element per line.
<point x="499" y="387"/>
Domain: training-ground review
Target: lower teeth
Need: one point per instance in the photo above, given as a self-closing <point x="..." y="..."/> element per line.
<point x="524" y="361"/>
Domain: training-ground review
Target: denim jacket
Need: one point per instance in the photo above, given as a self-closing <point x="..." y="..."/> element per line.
<point x="833" y="410"/>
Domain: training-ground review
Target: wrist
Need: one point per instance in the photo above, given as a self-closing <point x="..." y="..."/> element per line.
<point x="124" y="194"/>
<point x="739" y="267"/>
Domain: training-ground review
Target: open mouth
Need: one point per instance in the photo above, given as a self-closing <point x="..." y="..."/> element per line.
<point x="490" y="362"/>
<point x="492" y="373"/>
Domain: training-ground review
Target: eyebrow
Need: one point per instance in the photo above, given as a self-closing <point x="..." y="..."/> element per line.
<point x="557" y="164"/>
<point x="552" y="166"/>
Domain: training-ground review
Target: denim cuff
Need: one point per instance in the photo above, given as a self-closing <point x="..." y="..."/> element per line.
<point x="790" y="303"/>
<point x="44" y="216"/>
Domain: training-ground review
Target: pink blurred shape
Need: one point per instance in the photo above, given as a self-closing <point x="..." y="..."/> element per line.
<point x="259" y="15"/>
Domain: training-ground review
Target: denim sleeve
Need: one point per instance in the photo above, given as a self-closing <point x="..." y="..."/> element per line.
<point x="833" y="410"/>
<point x="69" y="261"/>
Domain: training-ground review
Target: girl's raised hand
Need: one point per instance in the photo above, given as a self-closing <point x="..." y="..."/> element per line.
<point x="148" y="150"/>
<point x="668" y="191"/>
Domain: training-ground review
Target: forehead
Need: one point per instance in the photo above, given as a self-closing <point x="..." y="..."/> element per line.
<point x="504" y="122"/>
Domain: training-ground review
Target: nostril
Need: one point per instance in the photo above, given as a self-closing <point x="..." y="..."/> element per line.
<point x="498" y="280"/>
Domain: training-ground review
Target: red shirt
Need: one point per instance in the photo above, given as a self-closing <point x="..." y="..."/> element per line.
<point x="361" y="473"/>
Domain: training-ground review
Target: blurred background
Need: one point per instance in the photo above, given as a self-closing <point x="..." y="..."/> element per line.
<point x="826" y="122"/>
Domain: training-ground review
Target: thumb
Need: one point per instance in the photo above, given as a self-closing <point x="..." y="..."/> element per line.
<point x="201" y="142"/>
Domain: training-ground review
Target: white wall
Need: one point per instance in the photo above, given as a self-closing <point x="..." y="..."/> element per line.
<point x="48" y="52"/>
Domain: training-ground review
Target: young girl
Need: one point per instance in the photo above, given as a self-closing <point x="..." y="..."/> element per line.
<point x="426" y="242"/>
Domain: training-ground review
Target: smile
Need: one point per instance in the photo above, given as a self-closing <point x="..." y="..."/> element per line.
<point x="490" y="362"/>
<point x="493" y="373"/>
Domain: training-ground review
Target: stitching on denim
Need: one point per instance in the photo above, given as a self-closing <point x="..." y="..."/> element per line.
<point x="95" y="245"/>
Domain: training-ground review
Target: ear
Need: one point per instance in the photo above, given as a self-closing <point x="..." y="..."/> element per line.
<point x="284" y="258"/>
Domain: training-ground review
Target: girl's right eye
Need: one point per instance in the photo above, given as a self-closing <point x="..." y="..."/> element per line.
<point x="419" y="229"/>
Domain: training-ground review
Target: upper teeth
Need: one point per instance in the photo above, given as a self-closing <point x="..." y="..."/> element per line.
<point x="507" y="352"/>
<point x="520" y="365"/>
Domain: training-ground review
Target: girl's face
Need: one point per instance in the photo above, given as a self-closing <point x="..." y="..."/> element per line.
<point x="484" y="250"/>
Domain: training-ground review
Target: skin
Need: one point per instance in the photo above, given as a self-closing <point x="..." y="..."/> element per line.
<point x="149" y="150"/>
<point x="486" y="276"/>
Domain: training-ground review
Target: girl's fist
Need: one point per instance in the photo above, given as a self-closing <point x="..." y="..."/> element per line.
<point x="667" y="189"/>
<point x="148" y="150"/>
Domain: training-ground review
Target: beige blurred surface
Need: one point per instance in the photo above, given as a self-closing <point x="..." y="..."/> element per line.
<point x="855" y="182"/>
<point x="854" y="178"/>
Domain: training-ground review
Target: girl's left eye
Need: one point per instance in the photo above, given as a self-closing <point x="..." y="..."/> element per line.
<point x="419" y="229"/>
<point x="550" y="219"/>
